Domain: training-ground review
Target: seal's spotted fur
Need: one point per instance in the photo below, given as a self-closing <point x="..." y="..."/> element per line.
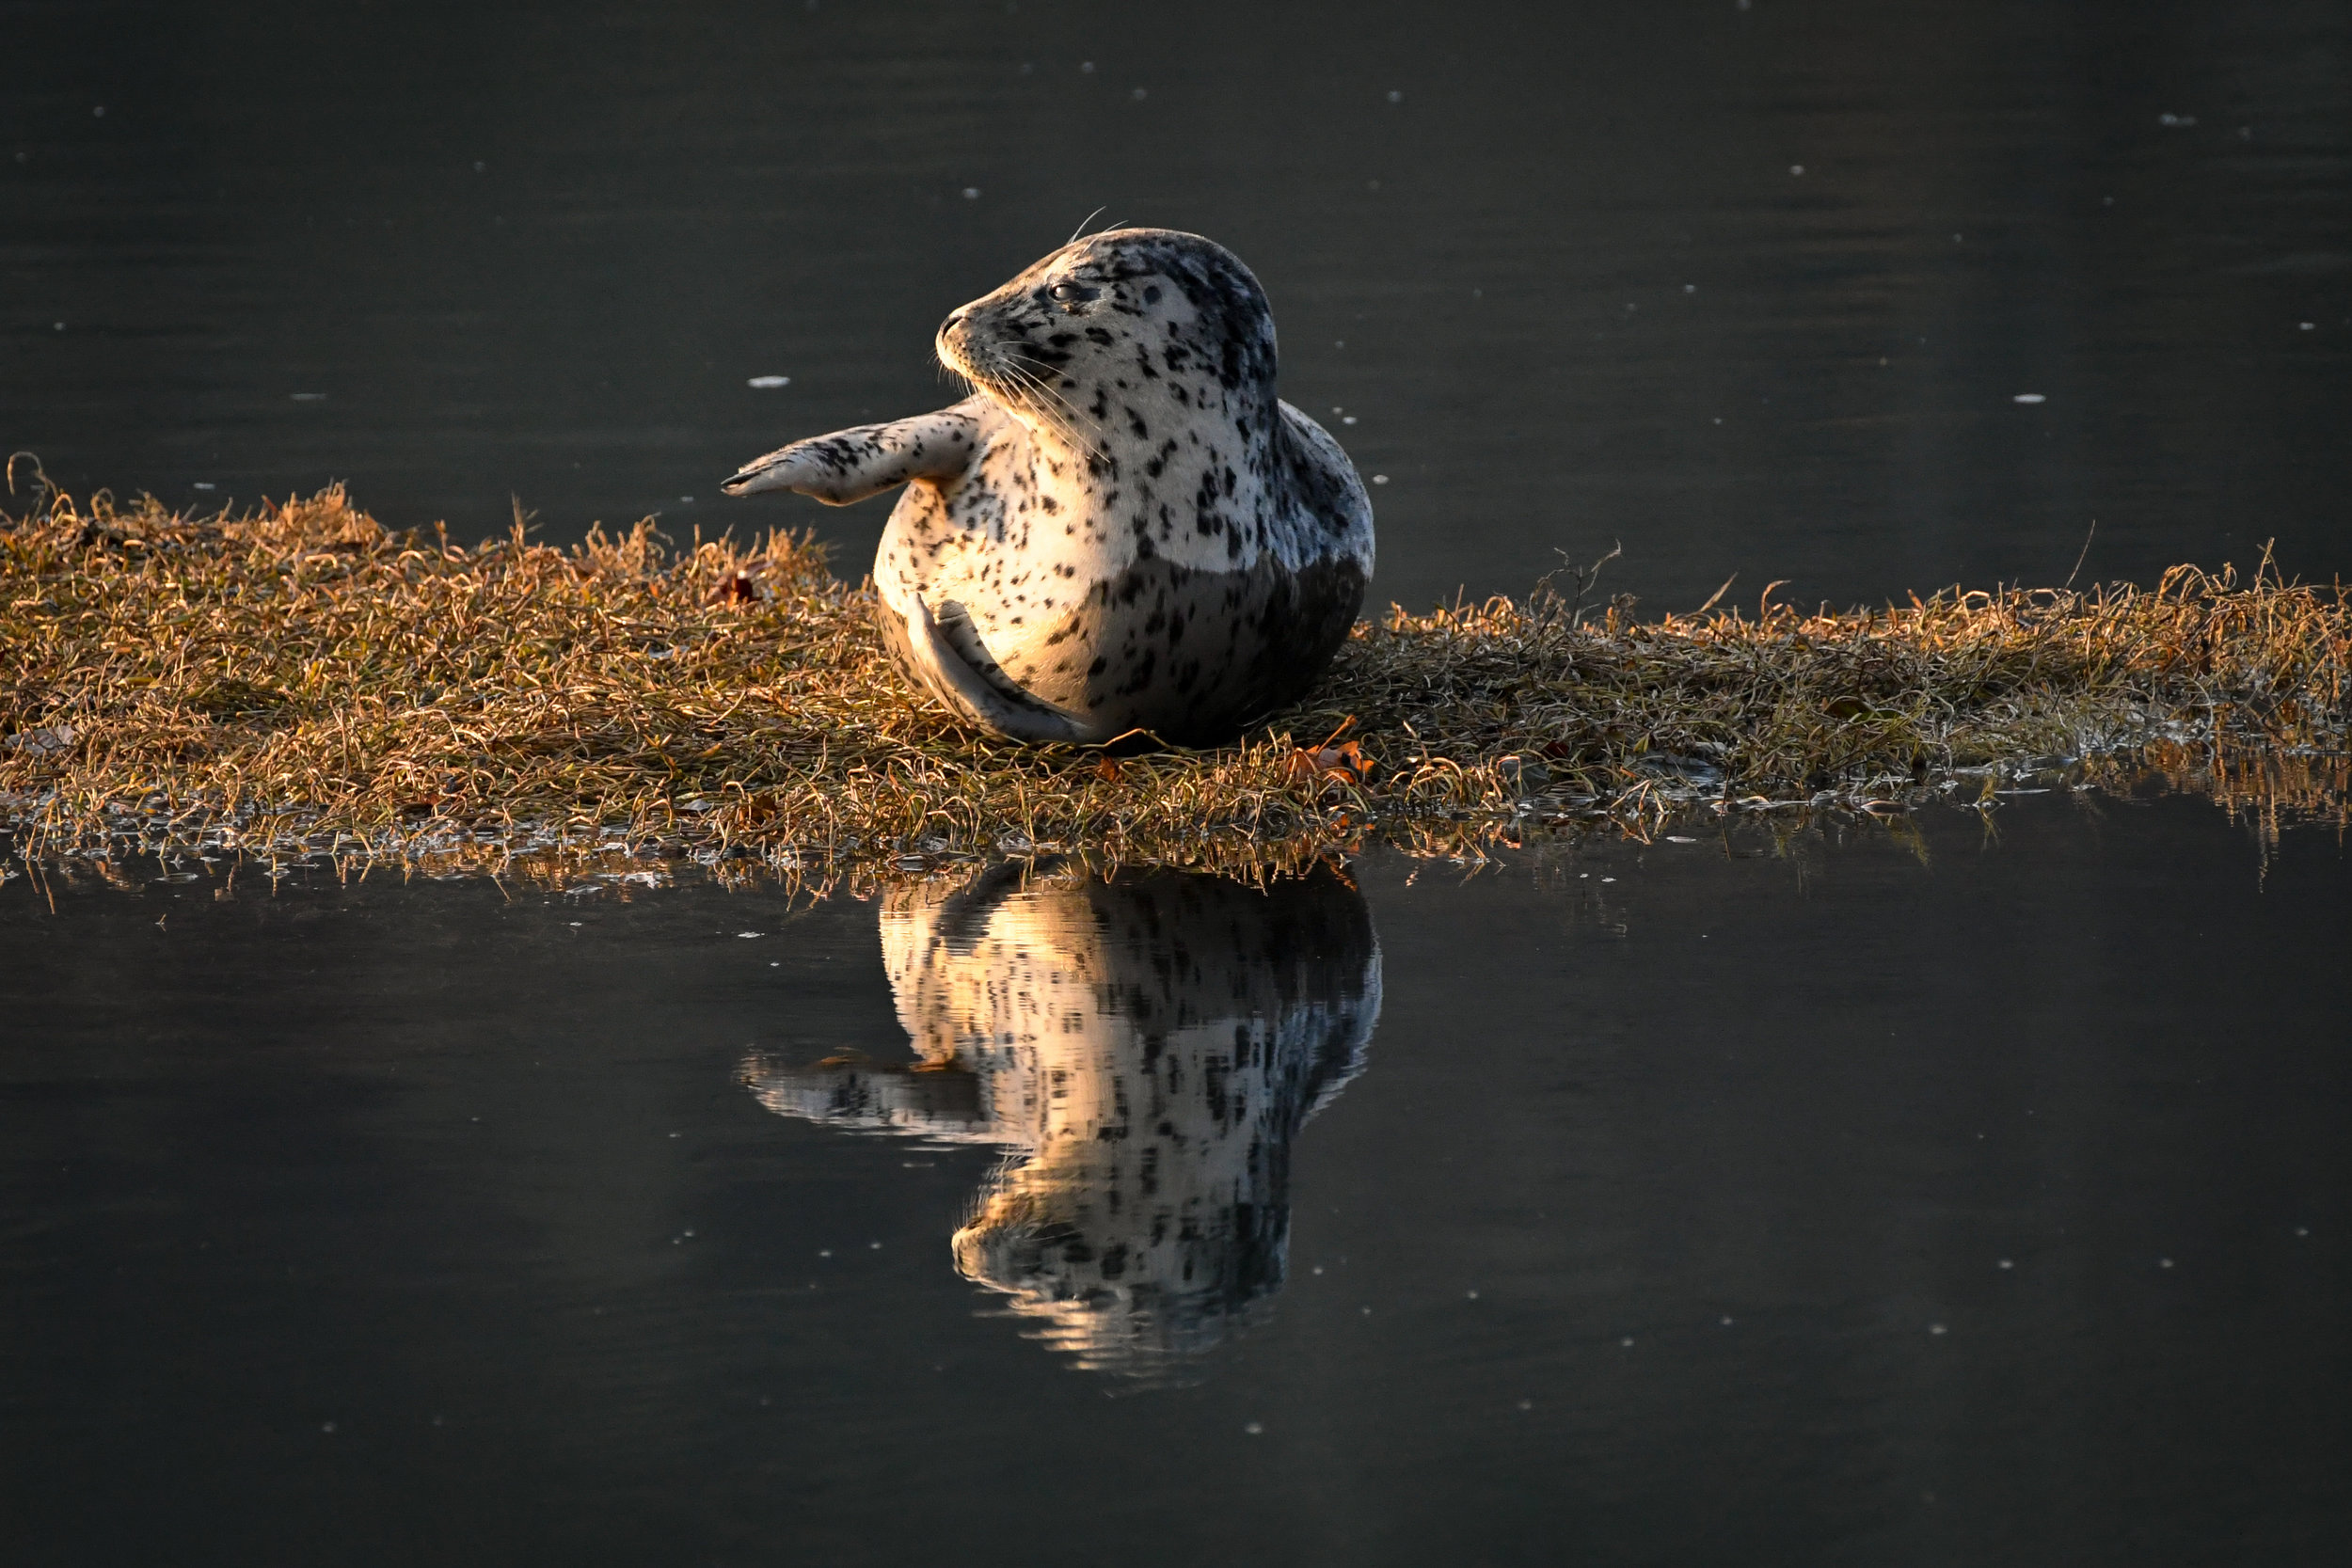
<point x="1124" y="528"/>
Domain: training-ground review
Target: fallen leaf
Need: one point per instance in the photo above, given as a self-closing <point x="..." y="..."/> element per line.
<point x="1346" y="763"/>
<point x="740" y="589"/>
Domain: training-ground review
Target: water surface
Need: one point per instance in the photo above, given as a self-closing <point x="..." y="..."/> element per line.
<point x="1557" y="262"/>
<point x="1976" y="1197"/>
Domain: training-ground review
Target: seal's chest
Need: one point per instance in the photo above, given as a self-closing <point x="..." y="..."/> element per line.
<point x="1014" y="497"/>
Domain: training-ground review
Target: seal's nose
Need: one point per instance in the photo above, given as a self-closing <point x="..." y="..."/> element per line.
<point x="949" y="325"/>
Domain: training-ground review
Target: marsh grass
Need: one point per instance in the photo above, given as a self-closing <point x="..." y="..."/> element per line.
<point x="300" y="677"/>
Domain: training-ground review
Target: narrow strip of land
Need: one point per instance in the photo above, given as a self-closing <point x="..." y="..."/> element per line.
<point x="301" y="669"/>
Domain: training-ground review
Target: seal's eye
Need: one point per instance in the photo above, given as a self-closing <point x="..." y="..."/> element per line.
<point x="1071" y="294"/>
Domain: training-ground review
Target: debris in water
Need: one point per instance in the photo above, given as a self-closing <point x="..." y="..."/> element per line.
<point x="766" y="383"/>
<point x="2029" y="397"/>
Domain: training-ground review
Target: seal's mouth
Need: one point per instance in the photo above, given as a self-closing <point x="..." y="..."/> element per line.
<point x="955" y="347"/>
<point x="988" y="366"/>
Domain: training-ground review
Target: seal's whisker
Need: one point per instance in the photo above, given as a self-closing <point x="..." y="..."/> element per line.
<point x="948" y="370"/>
<point x="1033" y="392"/>
<point x="1032" y="382"/>
<point x="1057" y="412"/>
<point x="1052" y="394"/>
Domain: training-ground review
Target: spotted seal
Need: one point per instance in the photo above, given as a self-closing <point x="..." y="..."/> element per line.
<point x="1123" y="529"/>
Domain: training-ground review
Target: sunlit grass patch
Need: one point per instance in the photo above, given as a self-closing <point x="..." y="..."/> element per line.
<point x="300" y="674"/>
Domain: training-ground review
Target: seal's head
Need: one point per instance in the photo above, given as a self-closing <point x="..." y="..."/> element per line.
<point x="1129" y="317"/>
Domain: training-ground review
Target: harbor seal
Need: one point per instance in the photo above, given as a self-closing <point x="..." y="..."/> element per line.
<point x="1123" y="529"/>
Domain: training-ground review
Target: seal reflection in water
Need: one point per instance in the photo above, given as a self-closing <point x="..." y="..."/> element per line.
<point x="1124" y="527"/>
<point x="1145" y="1046"/>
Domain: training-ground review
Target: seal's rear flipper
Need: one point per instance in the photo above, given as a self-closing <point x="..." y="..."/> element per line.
<point x="922" y="648"/>
<point x="850" y="465"/>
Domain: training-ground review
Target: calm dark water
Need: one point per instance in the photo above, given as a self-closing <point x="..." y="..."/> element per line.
<point x="1985" y="1198"/>
<point x="1976" y="1197"/>
<point x="537" y="251"/>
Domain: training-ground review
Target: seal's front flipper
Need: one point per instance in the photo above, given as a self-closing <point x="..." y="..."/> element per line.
<point x="925" y="650"/>
<point x="850" y="465"/>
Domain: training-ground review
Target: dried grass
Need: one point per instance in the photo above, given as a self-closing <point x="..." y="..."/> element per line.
<point x="301" y="677"/>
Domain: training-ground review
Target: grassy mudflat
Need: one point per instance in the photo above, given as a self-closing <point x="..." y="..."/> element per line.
<point x="301" y="675"/>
